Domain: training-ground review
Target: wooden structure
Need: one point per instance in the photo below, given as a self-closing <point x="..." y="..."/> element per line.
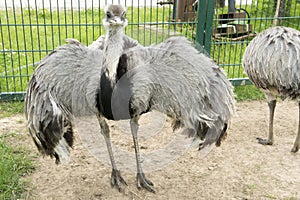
<point x="233" y="25"/>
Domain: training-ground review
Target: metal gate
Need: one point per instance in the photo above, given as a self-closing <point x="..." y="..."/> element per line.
<point x="31" y="29"/>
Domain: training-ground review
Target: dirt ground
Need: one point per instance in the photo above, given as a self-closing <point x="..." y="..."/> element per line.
<point x="239" y="169"/>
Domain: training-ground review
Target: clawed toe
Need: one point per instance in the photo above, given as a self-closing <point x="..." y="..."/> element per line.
<point x="143" y="182"/>
<point x="117" y="179"/>
<point x="295" y="149"/>
<point x="264" y="141"/>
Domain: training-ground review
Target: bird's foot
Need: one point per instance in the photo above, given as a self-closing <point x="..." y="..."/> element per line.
<point x="143" y="182"/>
<point x="295" y="148"/>
<point x="117" y="179"/>
<point x="264" y="141"/>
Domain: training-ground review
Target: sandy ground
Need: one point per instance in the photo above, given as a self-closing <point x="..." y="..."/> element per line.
<point x="239" y="169"/>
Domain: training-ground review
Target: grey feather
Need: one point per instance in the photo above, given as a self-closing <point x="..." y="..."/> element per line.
<point x="171" y="77"/>
<point x="65" y="84"/>
<point x="272" y="62"/>
<point x="186" y="85"/>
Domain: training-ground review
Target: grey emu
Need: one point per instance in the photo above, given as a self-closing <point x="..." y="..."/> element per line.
<point x="171" y="77"/>
<point x="272" y="62"/>
<point x="50" y="96"/>
<point x="65" y="83"/>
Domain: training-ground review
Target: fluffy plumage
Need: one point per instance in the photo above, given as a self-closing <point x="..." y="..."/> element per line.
<point x="272" y="62"/>
<point x="186" y="85"/>
<point x="171" y="77"/>
<point x="65" y="83"/>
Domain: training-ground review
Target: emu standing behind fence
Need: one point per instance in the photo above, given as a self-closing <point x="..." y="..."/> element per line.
<point x="272" y="62"/>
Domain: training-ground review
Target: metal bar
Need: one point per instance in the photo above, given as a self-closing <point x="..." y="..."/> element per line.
<point x="4" y="59"/>
<point x="72" y="19"/>
<point x="12" y="96"/>
<point x="144" y="32"/>
<point x="201" y="17"/>
<point x="25" y="47"/>
<point x="58" y="22"/>
<point x="79" y="19"/>
<point x="190" y="22"/>
<point x="151" y="16"/>
<point x="138" y="13"/>
<point x="25" y="51"/>
<point x="51" y="27"/>
<point x="93" y="21"/>
<point x="240" y="81"/>
<point x="231" y="5"/>
<point x="208" y="25"/>
<point x="31" y="40"/>
<point x="45" y="29"/>
<point x="38" y="30"/>
<point x="65" y="15"/>
<point x="86" y="27"/>
<point x="10" y="46"/>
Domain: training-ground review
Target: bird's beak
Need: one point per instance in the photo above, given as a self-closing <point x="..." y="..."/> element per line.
<point x="116" y="21"/>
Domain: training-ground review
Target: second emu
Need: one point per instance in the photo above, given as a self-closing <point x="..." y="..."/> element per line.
<point x="272" y="62"/>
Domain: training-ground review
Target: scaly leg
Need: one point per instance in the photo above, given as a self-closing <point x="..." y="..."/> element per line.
<point x="116" y="178"/>
<point x="297" y="141"/>
<point x="142" y="181"/>
<point x="269" y="141"/>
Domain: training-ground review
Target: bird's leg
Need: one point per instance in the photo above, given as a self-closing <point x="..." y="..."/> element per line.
<point x="269" y="141"/>
<point x="142" y="181"/>
<point x="297" y="141"/>
<point x="116" y="178"/>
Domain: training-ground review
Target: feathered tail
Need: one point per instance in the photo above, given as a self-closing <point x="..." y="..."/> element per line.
<point x="49" y="125"/>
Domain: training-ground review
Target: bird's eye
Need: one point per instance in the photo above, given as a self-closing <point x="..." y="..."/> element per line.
<point x="108" y="15"/>
<point x="123" y="14"/>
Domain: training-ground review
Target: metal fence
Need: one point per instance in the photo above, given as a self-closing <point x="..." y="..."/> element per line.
<point x="30" y="29"/>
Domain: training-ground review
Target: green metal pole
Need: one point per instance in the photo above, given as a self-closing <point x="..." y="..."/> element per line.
<point x="204" y="24"/>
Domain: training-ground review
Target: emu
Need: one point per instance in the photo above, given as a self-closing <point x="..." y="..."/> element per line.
<point x="65" y="83"/>
<point x="171" y="77"/>
<point x="272" y="62"/>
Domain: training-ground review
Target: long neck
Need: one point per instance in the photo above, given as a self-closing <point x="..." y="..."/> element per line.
<point x="112" y="51"/>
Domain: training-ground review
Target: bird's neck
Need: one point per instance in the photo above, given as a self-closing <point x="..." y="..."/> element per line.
<point x="112" y="51"/>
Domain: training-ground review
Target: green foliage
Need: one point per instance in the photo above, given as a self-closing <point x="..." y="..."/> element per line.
<point x="10" y="108"/>
<point x="27" y="35"/>
<point x="228" y="53"/>
<point x="14" y="164"/>
<point x="248" y="92"/>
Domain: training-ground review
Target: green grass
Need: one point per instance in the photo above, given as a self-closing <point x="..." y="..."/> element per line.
<point x="10" y="108"/>
<point x="14" y="161"/>
<point x="228" y="53"/>
<point x="27" y="35"/>
<point x="14" y="164"/>
<point x="248" y="92"/>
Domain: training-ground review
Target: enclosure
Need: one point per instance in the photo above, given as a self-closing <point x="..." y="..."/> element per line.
<point x="239" y="169"/>
<point x="31" y="29"/>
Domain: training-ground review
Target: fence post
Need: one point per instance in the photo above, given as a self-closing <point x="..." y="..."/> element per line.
<point x="204" y="23"/>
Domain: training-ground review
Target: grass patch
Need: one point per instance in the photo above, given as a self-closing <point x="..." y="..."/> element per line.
<point x="28" y="34"/>
<point x="14" y="164"/>
<point x="248" y="92"/>
<point x="10" y="108"/>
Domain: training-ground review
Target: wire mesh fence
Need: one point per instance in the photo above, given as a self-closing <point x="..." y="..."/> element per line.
<point x="235" y="27"/>
<point x="30" y="29"/>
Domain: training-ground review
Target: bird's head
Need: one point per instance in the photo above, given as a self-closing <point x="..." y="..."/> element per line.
<point x="115" y="17"/>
